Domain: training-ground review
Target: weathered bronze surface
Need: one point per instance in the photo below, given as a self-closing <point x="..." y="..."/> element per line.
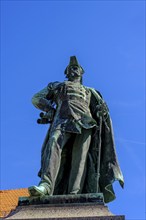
<point x="63" y="199"/>
<point x="78" y="155"/>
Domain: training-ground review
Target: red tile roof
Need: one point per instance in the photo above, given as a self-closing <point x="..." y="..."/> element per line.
<point x="9" y="200"/>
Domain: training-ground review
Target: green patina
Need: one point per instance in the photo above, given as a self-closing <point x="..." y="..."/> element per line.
<point x="78" y="154"/>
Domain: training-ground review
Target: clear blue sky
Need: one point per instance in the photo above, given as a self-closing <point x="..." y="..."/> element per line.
<point x="108" y="38"/>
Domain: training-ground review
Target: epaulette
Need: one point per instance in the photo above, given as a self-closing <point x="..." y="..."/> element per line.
<point x="53" y="85"/>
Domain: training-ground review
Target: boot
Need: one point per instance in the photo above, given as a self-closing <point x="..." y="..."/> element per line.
<point x="38" y="190"/>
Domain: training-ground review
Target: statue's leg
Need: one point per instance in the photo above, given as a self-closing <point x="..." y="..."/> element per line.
<point x="79" y="158"/>
<point x="52" y="159"/>
<point x="43" y="150"/>
<point x="51" y="164"/>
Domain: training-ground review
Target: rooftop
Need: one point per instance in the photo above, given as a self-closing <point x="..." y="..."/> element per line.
<point x="9" y="200"/>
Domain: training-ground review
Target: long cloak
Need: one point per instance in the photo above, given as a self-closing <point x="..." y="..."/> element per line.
<point x="102" y="167"/>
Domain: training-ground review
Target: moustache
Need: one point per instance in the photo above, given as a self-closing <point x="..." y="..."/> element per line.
<point x="74" y="73"/>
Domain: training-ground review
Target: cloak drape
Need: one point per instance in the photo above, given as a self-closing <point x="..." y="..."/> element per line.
<point x="102" y="167"/>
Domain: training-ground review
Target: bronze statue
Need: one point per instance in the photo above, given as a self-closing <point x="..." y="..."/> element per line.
<point x="78" y="155"/>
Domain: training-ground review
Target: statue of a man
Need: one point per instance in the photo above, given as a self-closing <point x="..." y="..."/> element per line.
<point x="78" y="154"/>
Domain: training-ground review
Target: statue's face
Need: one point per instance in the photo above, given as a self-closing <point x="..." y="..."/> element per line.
<point x="74" y="72"/>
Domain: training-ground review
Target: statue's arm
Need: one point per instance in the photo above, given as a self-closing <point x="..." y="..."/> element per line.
<point x="45" y="98"/>
<point x="40" y="100"/>
<point x="99" y="106"/>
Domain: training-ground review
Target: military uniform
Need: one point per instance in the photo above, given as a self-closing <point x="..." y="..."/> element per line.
<point x="78" y="154"/>
<point x="72" y="116"/>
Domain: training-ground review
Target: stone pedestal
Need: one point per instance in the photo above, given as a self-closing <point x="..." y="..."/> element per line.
<point x="65" y="207"/>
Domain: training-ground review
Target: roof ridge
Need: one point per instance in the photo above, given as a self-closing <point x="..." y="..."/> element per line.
<point x="12" y="189"/>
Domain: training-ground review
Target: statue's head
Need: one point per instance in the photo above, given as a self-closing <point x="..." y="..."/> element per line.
<point x="73" y="70"/>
